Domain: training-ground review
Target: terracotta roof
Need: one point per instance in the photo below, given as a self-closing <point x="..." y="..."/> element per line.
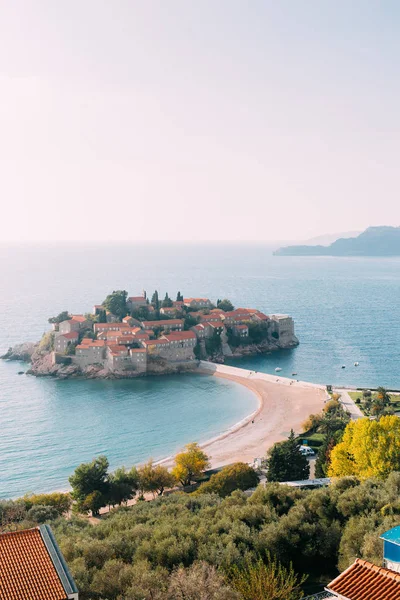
<point x="261" y="316"/>
<point x="177" y="336"/>
<point x="136" y="299"/>
<point x="100" y="326"/>
<point x="116" y="348"/>
<point x="195" y="300"/>
<point x="72" y="335"/>
<point x="78" y="318"/>
<point x="162" y="323"/>
<point x="32" y="567"/>
<point x="241" y="326"/>
<point x="86" y="343"/>
<point x="155" y="342"/>
<point x="216" y="324"/>
<point x="364" y="580"/>
<point x="125" y="339"/>
<point x="142" y="350"/>
<point x="198" y="327"/>
<point x="142" y="336"/>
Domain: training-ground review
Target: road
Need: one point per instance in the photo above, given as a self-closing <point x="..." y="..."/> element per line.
<point x="349" y="404"/>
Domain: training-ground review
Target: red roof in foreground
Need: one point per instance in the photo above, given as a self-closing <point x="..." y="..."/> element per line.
<point x="364" y="580"/>
<point x="26" y="569"/>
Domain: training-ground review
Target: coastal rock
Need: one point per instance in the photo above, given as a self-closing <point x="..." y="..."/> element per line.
<point x="264" y="347"/>
<point x="21" y="352"/>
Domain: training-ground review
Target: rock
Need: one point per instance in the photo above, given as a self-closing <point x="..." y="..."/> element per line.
<point x="21" y="352"/>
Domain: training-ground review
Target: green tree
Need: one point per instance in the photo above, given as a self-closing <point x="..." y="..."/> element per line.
<point x="90" y="485"/>
<point x="167" y="302"/>
<point x="179" y="297"/>
<point x="116" y="303"/>
<point x="154" y="478"/>
<point x="285" y="461"/>
<point x="155" y="300"/>
<point x="238" y="476"/>
<point x="271" y="581"/>
<point x="63" y="316"/>
<point x="59" y="501"/>
<point x="102" y="316"/>
<point x="190" y="464"/>
<point x="225" y="305"/>
<point x="189" y="322"/>
<point x="122" y="485"/>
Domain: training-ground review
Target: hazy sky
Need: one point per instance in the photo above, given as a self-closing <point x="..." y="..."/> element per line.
<point x="198" y="119"/>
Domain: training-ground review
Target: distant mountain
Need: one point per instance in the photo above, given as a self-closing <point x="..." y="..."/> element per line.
<point x="374" y="241"/>
<point x="329" y="238"/>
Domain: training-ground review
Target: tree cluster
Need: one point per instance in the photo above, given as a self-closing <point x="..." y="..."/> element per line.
<point x="93" y="487"/>
<point x="116" y="303"/>
<point x="181" y="542"/>
<point x="285" y="461"/>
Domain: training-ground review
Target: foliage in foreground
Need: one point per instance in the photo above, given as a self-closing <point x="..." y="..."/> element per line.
<point x="143" y="547"/>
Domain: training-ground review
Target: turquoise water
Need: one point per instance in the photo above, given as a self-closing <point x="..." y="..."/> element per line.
<point x="346" y="310"/>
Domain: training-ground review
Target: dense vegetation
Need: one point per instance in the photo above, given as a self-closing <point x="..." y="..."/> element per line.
<point x="144" y="552"/>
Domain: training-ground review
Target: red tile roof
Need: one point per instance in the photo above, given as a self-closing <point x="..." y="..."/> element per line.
<point x="78" y="318"/>
<point x="215" y="324"/>
<point x="136" y="299"/>
<point x="261" y="316"/>
<point x="138" y="350"/>
<point x="195" y="300"/>
<point x="162" y="323"/>
<point x="364" y="580"/>
<point x="72" y="335"/>
<point x="116" y="348"/>
<point x="178" y="336"/>
<point x="241" y="327"/>
<point x="27" y="571"/>
<point x="100" y="326"/>
<point x="155" y="342"/>
<point x="87" y="343"/>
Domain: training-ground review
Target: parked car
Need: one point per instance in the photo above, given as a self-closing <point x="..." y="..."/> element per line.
<point x="307" y="451"/>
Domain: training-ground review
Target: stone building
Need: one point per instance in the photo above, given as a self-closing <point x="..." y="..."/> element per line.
<point x="197" y="303"/>
<point x="172" y="324"/>
<point x="63" y="340"/>
<point x="283" y="325"/>
<point x="76" y="323"/>
<point x="181" y="345"/>
<point x="90" y="352"/>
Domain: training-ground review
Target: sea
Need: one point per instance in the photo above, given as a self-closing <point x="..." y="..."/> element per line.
<point x="346" y="310"/>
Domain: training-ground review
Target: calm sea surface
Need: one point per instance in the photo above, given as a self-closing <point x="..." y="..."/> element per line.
<point x="345" y="309"/>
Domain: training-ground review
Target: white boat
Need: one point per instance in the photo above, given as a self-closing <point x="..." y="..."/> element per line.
<point x="278" y="369"/>
<point x="356" y="364"/>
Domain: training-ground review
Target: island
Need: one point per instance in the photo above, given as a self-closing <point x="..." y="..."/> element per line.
<point x="130" y="336"/>
<point x="374" y="241"/>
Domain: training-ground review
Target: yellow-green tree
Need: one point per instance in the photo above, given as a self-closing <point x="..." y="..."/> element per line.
<point x="368" y="449"/>
<point x="189" y="464"/>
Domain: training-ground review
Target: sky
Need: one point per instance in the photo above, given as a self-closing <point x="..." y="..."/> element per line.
<point x="198" y="120"/>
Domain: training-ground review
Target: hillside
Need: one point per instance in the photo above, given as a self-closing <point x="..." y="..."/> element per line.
<point x="374" y="241"/>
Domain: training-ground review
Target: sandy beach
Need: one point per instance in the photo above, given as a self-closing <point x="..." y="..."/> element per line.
<point x="284" y="404"/>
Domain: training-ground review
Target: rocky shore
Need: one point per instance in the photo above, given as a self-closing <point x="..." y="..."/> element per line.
<point x="42" y="364"/>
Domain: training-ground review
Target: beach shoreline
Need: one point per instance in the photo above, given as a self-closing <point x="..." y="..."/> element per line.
<point x="283" y="404"/>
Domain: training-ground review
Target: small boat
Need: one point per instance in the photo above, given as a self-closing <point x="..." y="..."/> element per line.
<point x="343" y="366"/>
<point x="293" y="374"/>
<point x="356" y="364"/>
<point x="278" y="369"/>
<point x="20" y="372"/>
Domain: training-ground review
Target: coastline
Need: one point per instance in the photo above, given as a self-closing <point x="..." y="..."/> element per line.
<point x="283" y="405"/>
